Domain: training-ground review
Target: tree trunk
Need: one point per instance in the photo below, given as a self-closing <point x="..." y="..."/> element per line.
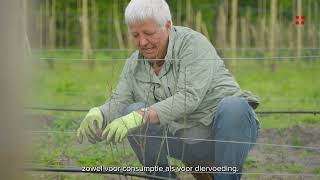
<point x="130" y="44"/>
<point x="25" y="22"/>
<point x="95" y="30"/>
<point x="47" y="23"/>
<point x="244" y="35"/>
<point x="189" y="14"/>
<point x="117" y="25"/>
<point x="290" y="38"/>
<point x="299" y="33"/>
<point x="233" y="31"/>
<point x="60" y="33"/>
<point x="52" y="26"/>
<point x="316" y="20"/>
<point x="50" y="29"/>
<point x="66" y="28"/>
<point x="221" y="36"/>
<point x="273" y="29"/>
<point x="85" y="31"/>
<point x="79" y="18"/>
<point x="204" y="29"/>
<point x="310" y="26"/>
<point x="198" y="21"/>
<point x="179" y="9"/>
<point x="41" y="27"/>
<point x="260" y="9"/>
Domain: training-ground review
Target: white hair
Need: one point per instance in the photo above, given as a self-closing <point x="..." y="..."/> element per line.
<point x="139" y="10"/>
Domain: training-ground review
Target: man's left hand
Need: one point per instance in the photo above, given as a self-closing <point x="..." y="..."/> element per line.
<point x="119" y="128"/>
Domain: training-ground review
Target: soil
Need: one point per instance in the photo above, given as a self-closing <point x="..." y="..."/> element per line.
<point x="287" y="160"/>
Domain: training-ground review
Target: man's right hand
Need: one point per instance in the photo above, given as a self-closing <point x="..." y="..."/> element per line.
<point x="91" y="126"/>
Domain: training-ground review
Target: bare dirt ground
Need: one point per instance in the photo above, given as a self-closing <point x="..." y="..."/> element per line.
<point x="286" y="160"/>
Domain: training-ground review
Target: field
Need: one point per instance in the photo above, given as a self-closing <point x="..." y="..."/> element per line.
<point x="78" y="84"/>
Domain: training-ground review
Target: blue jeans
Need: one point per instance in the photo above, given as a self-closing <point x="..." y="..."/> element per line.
<point x="235" y="120"/>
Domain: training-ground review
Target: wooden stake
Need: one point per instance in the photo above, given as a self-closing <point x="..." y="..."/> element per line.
<point x="95" y="30"/>
<point x="66" y="29"/>
<point x="117" y="25"/>
<point x="198" y="21"/>
<point x="233" y="31"/>
<point x="273" y="26"/>
<point x="85" y="31"/>
<point x="299" y="28"/>
<point x="52" y="26"/>
<point x="179" y="9"/>
<point x="221" y="36"/>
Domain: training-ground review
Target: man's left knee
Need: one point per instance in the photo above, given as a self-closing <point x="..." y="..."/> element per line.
<point x="234" y="119"/>
<point x="233" y="108"/>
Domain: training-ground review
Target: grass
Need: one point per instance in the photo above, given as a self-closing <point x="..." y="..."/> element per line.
<point x="76" y="84"/>
<point x="251" y="162"/>
<point x="316" y="171"/>
<point x="296" y="140"/>
<point x="284" y="168"/>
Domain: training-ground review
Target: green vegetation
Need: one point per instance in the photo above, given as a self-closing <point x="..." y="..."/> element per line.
<point x="65" y="76"/>
<point x="73" y="84"/>
<point x="316" y="171"/>
<point x="62" y="18"/>
<point x="251" y="162"/>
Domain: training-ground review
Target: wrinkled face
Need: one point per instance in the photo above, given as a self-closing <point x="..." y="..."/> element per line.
<point x="150" y="38"/>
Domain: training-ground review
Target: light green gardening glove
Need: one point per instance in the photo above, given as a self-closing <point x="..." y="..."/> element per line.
<point x="119" y="128"/>
<point x="91" y="126"/>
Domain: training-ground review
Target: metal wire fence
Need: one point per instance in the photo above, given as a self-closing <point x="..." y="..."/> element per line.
<point x="315" y="148"/>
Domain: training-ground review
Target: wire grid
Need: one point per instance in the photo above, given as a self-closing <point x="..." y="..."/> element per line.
<point x="114" y="148"/>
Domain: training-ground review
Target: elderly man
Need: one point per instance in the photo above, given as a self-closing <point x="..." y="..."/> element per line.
<point x="175" y="98"/>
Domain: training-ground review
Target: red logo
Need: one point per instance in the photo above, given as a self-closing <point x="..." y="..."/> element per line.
<point x="301" y="21"/>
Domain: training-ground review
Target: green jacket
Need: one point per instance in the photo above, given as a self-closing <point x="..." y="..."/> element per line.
<point x="191" y="83"/>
